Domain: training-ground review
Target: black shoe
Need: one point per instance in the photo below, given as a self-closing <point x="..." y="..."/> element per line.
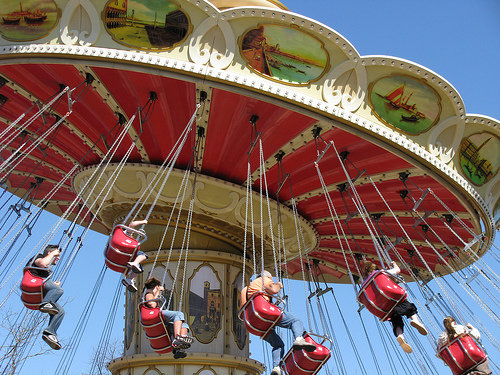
<point x="49" y="308"/>
<point x="51" y="339"/>
<point x="178" y="353"/>
<point x="130" y="285"/>
<point x="134" y="268"/>
<point x="182" y="342"/>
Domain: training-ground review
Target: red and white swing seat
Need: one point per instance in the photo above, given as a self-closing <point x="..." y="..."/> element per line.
<point x="32" y="288"/>
<point x="380" y="294"/>
<point x="300" y="362"/>
<point x="462" y="354"/>
<point x="260" y="315"/>
<point x="122" y="247"/>
<point x="155" y="327"/>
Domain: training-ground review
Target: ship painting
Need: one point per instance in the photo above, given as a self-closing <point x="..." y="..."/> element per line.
<point x="146" y="24"/>
<point x="479" y="157"/>
<point x="284" y="53"/>
<point x="27" y="20"/>
<point x="405" y="103"/>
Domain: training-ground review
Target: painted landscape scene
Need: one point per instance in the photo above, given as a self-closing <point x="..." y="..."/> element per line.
<point x="480" y="157"/>
<point x="146" y="24"/>
<point x="405" y="103"/>
<point x="27" y="20"/>
<point x="284" y="53"/>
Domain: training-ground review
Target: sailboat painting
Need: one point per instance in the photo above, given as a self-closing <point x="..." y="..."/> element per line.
<point x="405" y="103"/>
<point x="146" y="24"/>
<point x="480" y="157"/>
<point x="27" y="20"/>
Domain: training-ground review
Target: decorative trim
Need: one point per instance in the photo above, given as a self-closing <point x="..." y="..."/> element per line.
<point x="82" y="37"/>
<point x="203" y="56"/>
<point x="222" y="360"/>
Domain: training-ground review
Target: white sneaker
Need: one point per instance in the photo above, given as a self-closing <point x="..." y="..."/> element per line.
<point x="401" y="340"/>
<point x="419" y="326"/>
<point x="276" y="371"/>
<point x="301" y="343"/>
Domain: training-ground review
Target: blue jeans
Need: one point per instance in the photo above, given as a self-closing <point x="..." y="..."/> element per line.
<point x="52" y="294"/>
<point x="288" y="321"/>
<point x="172" y="316"/>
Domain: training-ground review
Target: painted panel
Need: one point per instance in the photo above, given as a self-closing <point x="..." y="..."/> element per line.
<point x="146" y="24"/>
<point x="205" y="303"/>
<point x="27" y="20"/>
<point x="405" y="103"/>
<point x="480" y="157"/>
<point x="284" y="53"/>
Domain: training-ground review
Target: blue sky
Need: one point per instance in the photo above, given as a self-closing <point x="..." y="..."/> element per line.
<point x="458" y="39"/>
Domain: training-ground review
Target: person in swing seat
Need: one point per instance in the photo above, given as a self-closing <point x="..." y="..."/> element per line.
<point x="134" y="267"/>
<point x="452" y="330"/>
<point x="405" y="308"/>
<point x="266" y="283"/>
<point x="181" y="339"/>
<point x="52" y="292"/>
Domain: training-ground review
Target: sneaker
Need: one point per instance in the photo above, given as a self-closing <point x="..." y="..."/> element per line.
<point x="182" y="342"/>
<point x="301" y="343"/>
<point x="49" y="308"/>
<point x="130" y="285"/>
<point x="51" y="340"/>
<point x="276" y="371"/>
<point x="401" y="340"/>
<point x="136" y="268"/>
<point x="179" y="353"/>
<point x="419" y="326"/>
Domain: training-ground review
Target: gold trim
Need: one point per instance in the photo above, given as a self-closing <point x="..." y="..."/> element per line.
<point x="222" y="360"/>
<point x="58" y="18"/>
<point x="240" y="273"/>
<point x="152" y="49"/>
<point x="206" y="367"/>
<point x="152" y="368"/>
<point x="221" y="284"/>
<point x="459" y="154"/>
<point x="289" y="83"/>
<point x="422" y="81"/>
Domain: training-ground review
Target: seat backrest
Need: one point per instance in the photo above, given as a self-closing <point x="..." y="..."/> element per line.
<point x="260" y="315"/>
<point x="156" y="329"/>
<point x="300" y="362"/>
<point x="120" y="250"/>
<point x="32" y="288"/>
<point x="462" y="354"/>
<point x="380" y="294"/>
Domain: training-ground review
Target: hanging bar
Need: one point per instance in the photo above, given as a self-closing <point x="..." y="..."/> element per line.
<point x="424" y="194"/>
<point x="422" y="219"/>
<point x="474" y="240"/>
<point x="323" y="153"/>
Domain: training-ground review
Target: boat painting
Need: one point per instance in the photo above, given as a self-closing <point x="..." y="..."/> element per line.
<point x="27" y="20"/>
<point x="146" y="24"/>
<point x="405" y="103"/>
<point x="480" y="157"/>
<point x="284" y="53"/>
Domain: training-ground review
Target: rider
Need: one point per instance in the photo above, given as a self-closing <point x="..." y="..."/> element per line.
<point x="182" y="340"/>
<point x="452" y="330"/>
<point x="404" y="308"/>
<point x="266" y="283"/>
<point x="52" y="293"/>
<point x="134" y="267"/>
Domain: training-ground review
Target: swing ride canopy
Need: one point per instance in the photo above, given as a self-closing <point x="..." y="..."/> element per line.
<point x="409" y="172"/>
